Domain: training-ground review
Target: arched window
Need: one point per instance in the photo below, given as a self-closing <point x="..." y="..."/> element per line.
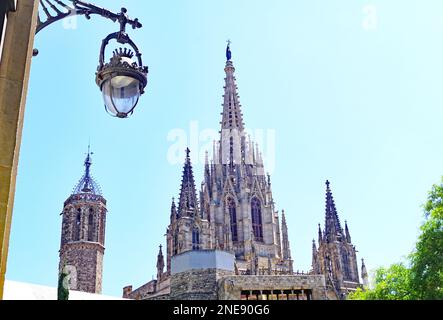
<point x="233" y="217"/>
<point x="257" y="226"/>
<point x="328" y="265"/>
<point x="195" y="239"/>
<point x="208" y="214"/>
<point x="91" y="225"/>
<point x="346" y="268"/>
<point x="77" y="225"/>
<point x="175" y="243"/>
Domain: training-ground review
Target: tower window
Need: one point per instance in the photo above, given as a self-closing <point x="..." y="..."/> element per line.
<point x="77" y="225"/>
<point x="233" y="217"/>
<point x="257" y="226"/>
<point x="195" y="239"/>
<point x="91" y="226"/>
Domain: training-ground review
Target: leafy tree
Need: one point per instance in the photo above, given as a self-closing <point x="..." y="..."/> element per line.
<point x="424" y="278"/>
<point x="393" y="283"/>
<point x="427" y="259"/>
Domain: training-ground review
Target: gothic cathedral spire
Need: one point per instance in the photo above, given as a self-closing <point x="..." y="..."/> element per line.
<point x="232" y="116"/>
<point x="333" y="230"/>
<point x="188" y="203"/>
<point x="336" y="256"/>
<point x="235" y="199"/>
<point x="160" y="264"/>
<point x="285" y="242"/>
<point x="364" y="274"/>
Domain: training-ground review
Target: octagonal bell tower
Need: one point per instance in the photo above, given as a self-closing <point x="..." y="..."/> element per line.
<point x="83" y="234"/>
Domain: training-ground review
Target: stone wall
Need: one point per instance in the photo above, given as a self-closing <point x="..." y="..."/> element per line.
<point x="152" y="290"/>
<point x="230" y="287"/>
<point x="210" y="275"/>
<point x="84" y="262"/>
<point x="82" y="241"/>
<point x="197" y="284"/>
<point x="195" y="274"/>
<point x="140" y="292"/>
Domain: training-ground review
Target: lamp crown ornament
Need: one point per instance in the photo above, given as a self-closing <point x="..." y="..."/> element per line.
<point x="120" y="52"/>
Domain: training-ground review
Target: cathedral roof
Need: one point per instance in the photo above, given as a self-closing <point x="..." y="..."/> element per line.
<point x="87" y="184"/>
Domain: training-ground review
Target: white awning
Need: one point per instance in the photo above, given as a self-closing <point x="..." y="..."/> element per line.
<point x="26" y="291"/>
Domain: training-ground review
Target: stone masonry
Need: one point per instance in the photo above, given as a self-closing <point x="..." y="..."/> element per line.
<point x="83" y="235"/>
<point x="234" y="219"/>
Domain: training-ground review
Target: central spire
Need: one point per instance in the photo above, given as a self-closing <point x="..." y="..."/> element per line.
<point x="188" y="204"/>
<point x="232" y="116"/>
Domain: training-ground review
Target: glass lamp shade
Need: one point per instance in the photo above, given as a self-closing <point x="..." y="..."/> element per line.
<point x="121" y="94"/>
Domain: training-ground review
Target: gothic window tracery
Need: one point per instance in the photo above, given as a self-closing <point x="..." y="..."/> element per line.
<point x="233" y="218"/>
<point x="257" y="226"/>
<point x="175" y="243"/>
<point x="195" y="239"/>
<point x="346" y="269"/>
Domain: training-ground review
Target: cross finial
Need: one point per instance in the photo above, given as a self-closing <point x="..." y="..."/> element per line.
<point x="89" y="148"/>
<point x="229" y="42"/>
<point x="327" y="184"/>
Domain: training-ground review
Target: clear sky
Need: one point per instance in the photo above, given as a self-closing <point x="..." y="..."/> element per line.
<point x="349" y="91"/>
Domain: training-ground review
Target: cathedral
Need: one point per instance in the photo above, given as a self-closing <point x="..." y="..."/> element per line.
<point x="228" y="241"/>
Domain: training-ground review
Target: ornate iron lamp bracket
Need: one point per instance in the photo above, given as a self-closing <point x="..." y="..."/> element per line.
<point x="60" y="10"/>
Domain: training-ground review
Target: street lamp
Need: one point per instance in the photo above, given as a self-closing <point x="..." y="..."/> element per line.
<point x="122" y="80"/>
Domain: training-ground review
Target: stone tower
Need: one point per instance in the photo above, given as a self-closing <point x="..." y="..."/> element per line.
<point x="188" y="228"/>
<point x="83" y="234"/>
<point x="336" y="255"/>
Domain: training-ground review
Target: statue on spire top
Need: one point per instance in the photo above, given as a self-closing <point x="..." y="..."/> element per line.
<point x="228" y="51"/>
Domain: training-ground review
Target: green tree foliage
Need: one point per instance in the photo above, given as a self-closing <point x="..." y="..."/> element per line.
<point x="427" y="259"/>
<point x="62" y="290"/>
<point x="393" y="283"/>
<point x="424" y="278"/>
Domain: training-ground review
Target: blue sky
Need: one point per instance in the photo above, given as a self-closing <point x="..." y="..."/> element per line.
<point x="351" y="90"/>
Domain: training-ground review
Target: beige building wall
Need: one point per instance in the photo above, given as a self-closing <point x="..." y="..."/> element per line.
<point x="14" y="75"/>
